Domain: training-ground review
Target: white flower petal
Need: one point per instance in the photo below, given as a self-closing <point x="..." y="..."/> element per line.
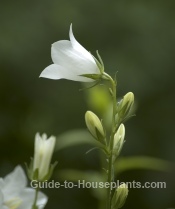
<point x="79" y="47"/>
<point x="42" y="200"/>
<point x="43" y="153"/>
<point x="14" y="189"/>
<point x="58" y="72"/>
<point x="1" y="182"/>
<point x="38" y="141"/>
<point x="46" y="159"/>
<point x="59" y="51"/>
<point x="14" y="183"/>
<point x="73" y="60"/>
<point x="27" y="197"/>
<point x="1" y="199"/>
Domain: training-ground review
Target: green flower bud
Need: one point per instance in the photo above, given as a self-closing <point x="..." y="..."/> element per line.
<point x="95" y="127"/>
<point x="119" y="197"/>
<point x="118" y="141"/>
<point x="126" y="104"/>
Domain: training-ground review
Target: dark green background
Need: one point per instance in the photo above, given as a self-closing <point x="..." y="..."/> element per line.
<point x="135" y="38"/>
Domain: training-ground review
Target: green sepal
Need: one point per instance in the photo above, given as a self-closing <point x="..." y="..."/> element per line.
<point x="35" y="174"/>
<point x="28" y="171"/>
<point x="128" y="117"/>
<point x="110" y="91"/>
<point x="125" y="110"/>
<point x="49" y="174"/>
<point x="92" y="76"/>
<point x="125" y="105"/>
<point x="122" y="113"/>
<point x="32" y="175"/>
<point x="118" y="120"/>
<point x="100" y="63"/>
<point x="92" y="149"/>
<point x="86" y="88"/>
<point x="102" y="148"/>
<point x="100" y="137"/>
<point x="116" y="151"/>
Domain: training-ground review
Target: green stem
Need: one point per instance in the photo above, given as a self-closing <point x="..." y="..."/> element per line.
<point x="34" y="206"/>
<point x="111" y="141"/>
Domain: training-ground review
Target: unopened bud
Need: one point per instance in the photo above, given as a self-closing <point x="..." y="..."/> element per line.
<point x="126" y="104"/>
<point x="40" y="167"/>
<point x="119" y="197"/>
<point x="95" y="127"/>
<point x="118" y="141"/>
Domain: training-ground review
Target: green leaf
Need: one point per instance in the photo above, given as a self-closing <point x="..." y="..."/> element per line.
<point x="74" y="175"/>
<point x="142" y="162"/>
<point x="88" y="176"/>
<point x="98" y="99"/>
<point x="74" y="138"/>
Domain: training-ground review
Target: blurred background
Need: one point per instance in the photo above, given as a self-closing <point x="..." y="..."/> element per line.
<point x="136" y="39"/>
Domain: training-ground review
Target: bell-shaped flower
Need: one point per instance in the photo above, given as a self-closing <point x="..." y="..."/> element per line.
<point x="14" y="193"/>
<point x="43" y="152"/>
<point x="72" y="62"/>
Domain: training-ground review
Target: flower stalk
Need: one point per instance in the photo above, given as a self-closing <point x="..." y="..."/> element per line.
<point x="72" y="61"/>
<point x="34" y="206"/>
<point x="114" y="144"/>
<point x="113" y="84"/>
<point x="117" y="133"/>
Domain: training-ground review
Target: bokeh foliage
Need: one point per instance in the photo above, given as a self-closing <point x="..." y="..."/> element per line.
<point x="135" y="38"/>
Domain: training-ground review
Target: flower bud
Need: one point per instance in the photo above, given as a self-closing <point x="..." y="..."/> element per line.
<point x="126" y="104"/>
<point x="118" y="141"/>
<point x="119" y="197"/>
<point x="40" y="168"/>
<point x="95" y="127"/>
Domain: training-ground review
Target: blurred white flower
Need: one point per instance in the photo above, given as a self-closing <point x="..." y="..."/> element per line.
<point x="14" y="193"/>
<point x="71" y="61"/>
<point x="42" y="155"/>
